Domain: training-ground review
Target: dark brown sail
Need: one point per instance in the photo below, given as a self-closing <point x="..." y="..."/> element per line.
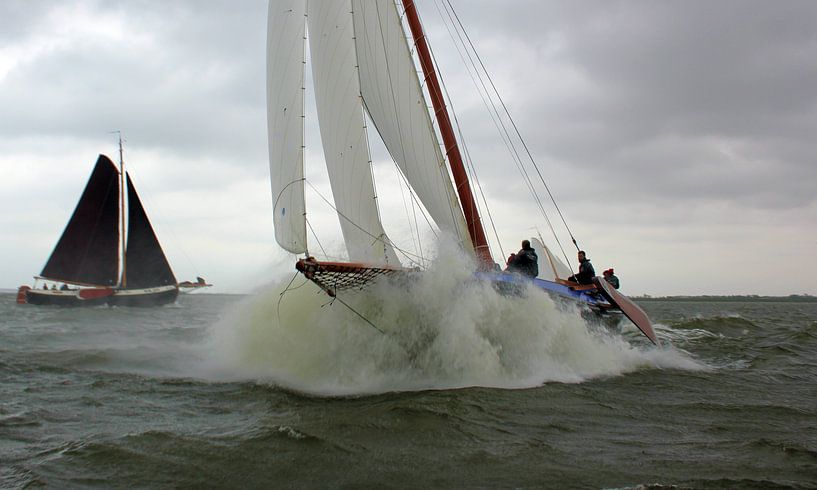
<point x="88" y="251"/>
<point x="145" y="263"/>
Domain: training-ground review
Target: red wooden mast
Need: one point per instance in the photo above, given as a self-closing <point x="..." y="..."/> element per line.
<point x="469" y="206"/>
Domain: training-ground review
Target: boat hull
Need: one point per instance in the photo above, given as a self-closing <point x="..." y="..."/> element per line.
<point x="61" y="298"/>
<point x="601" y="299"/>
<point x="144" y="297"/>
<point x="593" y="299"/>
<point x="114" y="297"/>
<point x="514" y="283"/>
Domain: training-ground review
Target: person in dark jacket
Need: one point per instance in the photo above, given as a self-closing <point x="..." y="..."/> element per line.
<point x="586" y="271"/>
<point x="611" y="278"/>
<point x="525" y="261"/>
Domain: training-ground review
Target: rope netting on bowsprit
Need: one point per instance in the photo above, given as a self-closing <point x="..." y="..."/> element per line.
<point x="336" y="276"/>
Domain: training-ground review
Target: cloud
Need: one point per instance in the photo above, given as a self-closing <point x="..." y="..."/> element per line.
<point x="667" y="132"/>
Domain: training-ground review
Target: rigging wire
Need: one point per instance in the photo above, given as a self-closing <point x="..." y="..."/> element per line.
<point x="469" y="161"/>
<point x="281" y="194"/>
<point x="281" y="296"/>
<point x="452" y="201"/>
<point x="500" y="126"/>
<point x="356" y="313"/>
<point x="416" y="205"/>
<point x="402" y="179"/>
<point x="496" y="118"/>
<point x="156" y="213"/>
<point x="415" y="238"/>
<point x="335" y="297"/>
<point x="316" y="236"/>
<point x="513" y="123"/>
<point x="470" y="166"/>
<point x="386" y="243"/>
<point x="408" y="254"/>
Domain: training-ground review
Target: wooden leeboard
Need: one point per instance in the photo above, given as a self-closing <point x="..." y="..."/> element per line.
<point x="628" y="307"/>
<point x="94" y="293"/>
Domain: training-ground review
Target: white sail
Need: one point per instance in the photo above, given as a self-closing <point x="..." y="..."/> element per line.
<point x="285" y="112"/>
<point x="550" y="267"/>
<point x="343" y="132"/>
<point x="394" y="99"/>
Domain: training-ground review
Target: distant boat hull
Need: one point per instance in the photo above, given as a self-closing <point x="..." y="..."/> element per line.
<point x="103" y="296"/>
<point x="186" y="287"/>
<point x="63" y="298"/>
<point x="157" y="296"/>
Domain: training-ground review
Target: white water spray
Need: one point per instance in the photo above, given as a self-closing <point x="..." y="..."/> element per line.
<point x="441" y="329"/>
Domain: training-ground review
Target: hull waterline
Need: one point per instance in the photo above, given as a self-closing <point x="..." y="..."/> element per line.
<point x="144" y="297"/>
<point x="115" y="297"/>
<point x="62" y="298"/>
<point x="597" y="300"/>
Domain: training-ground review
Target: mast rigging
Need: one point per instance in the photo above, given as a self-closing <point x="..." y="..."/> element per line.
<point x="452" y="151"/>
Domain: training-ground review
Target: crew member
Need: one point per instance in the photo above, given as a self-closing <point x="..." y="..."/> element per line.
<point x="586" y="271"/>
<point x="611" y="278"/>
<point x="525" y="261"/>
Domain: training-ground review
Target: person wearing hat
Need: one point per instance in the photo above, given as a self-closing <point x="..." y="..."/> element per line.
<point x="611" y="278"/>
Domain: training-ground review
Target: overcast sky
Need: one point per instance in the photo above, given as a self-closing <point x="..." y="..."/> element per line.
<point x="679" y="138"/>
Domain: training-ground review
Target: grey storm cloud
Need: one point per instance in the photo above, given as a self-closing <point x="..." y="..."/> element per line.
<point x="695" y="100"/>
<point x="691" y="119"/>
<point x="178" y="73"/>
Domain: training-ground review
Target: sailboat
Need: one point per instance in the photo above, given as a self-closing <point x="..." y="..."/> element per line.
<point x="95" y="262"/>
<point x="191" y="287"/>
<point x="363" y="69"/>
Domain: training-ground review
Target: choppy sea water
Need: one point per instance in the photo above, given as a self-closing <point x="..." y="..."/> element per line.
<point x="453" y="387"/>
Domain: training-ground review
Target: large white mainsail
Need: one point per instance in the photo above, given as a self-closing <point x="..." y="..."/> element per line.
<point x="285" y="112"/>
<point x="394" y="99"/>
<point x="343" y="131"/>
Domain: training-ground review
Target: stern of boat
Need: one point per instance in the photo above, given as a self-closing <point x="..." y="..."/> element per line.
<point x="22" y="295"/>
<point x="63" y="297"/>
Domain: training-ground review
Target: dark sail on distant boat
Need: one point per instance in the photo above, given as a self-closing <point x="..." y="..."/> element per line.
<point x="86" y="260"/>
<point x="88" y="251"/>
<point x="147" y="265"/>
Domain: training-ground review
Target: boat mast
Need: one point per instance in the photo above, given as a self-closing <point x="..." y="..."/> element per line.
<point x="469" y="206"/>
<point x="123" y="281"/>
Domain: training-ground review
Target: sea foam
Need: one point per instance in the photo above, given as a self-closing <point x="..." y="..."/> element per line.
<point x="440" y="329"/>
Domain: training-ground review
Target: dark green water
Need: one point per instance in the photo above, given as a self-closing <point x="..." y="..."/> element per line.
<point x="222" y="391"/>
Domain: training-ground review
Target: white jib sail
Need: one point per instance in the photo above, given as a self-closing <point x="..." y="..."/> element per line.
<point x="343" y="132"/>
<point x="394" y="99"/>
<point x="285" y="118"/>
<point x="550" y="267"/>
